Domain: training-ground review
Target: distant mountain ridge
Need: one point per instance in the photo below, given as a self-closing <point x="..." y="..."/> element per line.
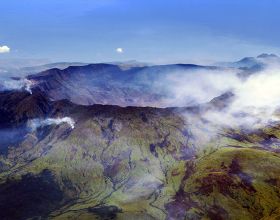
<point x="128" y="83"/>
<point x="109" y="83"/>
<point x="251" y="62"/>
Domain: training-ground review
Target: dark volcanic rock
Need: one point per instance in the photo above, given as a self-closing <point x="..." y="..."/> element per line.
<point x="106" y="212"/>
<point x="31" y="196"/>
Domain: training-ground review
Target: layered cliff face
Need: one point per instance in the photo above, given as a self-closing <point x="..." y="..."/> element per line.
<point x="111" y="162"/>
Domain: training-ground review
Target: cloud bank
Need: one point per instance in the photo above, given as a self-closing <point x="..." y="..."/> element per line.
<point x="256" y="98"/>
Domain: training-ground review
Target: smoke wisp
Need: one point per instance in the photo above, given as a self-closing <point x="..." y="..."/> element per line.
<point x="36" y="123"/>
<point x="17" y="84"/>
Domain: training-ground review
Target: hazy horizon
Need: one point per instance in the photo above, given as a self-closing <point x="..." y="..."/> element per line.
<point x="31" y="62"/>
<point x="148" y="31"/>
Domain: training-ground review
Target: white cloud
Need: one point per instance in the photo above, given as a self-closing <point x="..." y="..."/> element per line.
<point x="4" y="49"/>
<point x="119" y="50"/>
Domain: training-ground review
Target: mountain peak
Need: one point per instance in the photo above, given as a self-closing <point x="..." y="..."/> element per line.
<point x="266" y="55"/>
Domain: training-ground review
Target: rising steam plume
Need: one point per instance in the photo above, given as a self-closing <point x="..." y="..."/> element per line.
<point x="36" y="123"/>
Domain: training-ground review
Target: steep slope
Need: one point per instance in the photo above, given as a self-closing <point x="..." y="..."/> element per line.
<point x="134" y="163"/>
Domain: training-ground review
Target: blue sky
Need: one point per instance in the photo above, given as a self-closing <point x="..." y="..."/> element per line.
<point x="147" y="30"/>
